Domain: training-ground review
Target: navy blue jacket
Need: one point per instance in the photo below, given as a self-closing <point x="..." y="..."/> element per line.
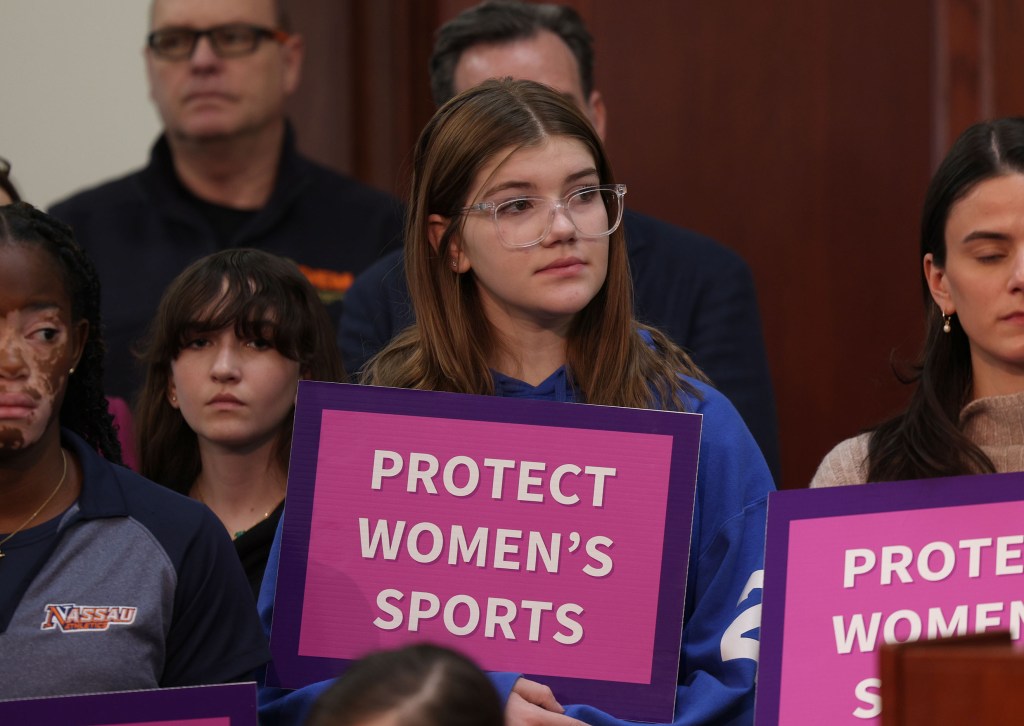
<point x="698" y="292"/>
<point x="140" y="588"/>
<point x="145" y="228"/>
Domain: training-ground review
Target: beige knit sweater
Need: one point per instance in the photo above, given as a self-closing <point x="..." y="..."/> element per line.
<point x="996" y="424"/>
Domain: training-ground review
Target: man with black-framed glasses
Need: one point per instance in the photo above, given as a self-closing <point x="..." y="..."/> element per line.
<point x="225" y="173"/>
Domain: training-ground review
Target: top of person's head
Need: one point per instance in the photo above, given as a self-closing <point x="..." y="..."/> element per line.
<point x="84" y="409"/>
<point x="983" y="151"/>
<point x="503" y="21"/>
<point x="8" y="193"/>
<point x="418" y="685"/>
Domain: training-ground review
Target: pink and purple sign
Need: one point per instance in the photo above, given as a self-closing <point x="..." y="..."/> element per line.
<point x="850" y="568"/>
<point x="233" y="704"/>
<point x="538" y="537"/>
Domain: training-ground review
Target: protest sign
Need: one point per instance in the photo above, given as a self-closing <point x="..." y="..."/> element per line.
<point x="545" y="538"/>
<point x="222" y="705"/>
<point x="850" y="568"/>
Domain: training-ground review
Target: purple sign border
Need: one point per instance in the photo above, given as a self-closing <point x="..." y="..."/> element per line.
<point x="236" y="701"/>
<point x="314" y="397"/>
<point x="785" y="507"/>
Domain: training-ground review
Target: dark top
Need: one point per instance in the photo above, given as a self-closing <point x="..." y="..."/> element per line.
<point x="253" y="548"/>
<point x="698" y="292"/>
<point x="138" y="587"/>
<point x="143" y="229"/>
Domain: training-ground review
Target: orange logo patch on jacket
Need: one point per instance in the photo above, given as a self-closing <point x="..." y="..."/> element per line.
<point x="329" y="284"/>
<point x="69" y="617"/>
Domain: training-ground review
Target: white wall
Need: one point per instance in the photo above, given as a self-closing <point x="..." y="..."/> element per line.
<point x="74" y="104"/>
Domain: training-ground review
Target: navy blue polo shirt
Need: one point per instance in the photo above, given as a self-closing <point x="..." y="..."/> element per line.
<point x="137" y="587"/>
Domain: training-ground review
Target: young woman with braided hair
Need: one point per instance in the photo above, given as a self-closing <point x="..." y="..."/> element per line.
<point x="144" y="579"/>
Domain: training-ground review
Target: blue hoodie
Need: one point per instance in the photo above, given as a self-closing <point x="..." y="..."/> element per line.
<point x="718" y="661"/>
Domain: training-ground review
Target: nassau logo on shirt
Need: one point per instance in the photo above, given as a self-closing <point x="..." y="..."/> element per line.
<point x="68" y="617"/>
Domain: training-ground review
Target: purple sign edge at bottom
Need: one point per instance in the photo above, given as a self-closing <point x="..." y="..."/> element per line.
<point x="236" y="701"/>
<point x="788" y="506"/>
<point x="646" y="702"/>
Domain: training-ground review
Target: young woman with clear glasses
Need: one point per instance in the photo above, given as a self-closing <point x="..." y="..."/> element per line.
<point x="518" y="276"/>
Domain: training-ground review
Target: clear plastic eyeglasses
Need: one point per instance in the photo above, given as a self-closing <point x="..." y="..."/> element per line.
<point x="525" y="221"/>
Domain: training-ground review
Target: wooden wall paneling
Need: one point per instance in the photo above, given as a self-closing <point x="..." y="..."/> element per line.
<point x="392" y="53"/>
<point x="1007" y="57"/>
<point x="962" y="69"/>
<point x="979" y="65"/>
<point x="365" y="94"/>
<point x="797" y="133"/>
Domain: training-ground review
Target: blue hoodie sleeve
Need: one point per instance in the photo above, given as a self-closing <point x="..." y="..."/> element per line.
<point x="280" y="705"/>
<point x="718" y="662"/>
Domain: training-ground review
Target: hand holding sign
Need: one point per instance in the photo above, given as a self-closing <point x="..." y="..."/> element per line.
<point x="533" y="704"/>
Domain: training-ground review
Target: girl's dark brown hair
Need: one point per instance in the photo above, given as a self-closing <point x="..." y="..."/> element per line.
<point x="258" y="294"/>
<point x="452" y="343"/>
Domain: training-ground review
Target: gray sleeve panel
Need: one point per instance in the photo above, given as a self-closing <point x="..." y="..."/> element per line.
<point x="95" y="618"/>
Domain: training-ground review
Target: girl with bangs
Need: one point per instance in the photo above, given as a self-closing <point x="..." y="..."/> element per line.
<point x="234" y="334"/>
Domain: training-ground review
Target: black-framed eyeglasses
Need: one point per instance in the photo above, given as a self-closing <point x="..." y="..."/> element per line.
<point x="525" y="221"/>
<point x="228" y="41"/>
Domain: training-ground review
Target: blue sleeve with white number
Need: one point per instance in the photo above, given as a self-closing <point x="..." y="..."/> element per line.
<point x="718" y="662"/>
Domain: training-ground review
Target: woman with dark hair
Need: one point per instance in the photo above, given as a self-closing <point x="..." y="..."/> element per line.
<point x="966" y="414"/>
<point x="518" y="275"/>
<point x="232" y="336"/>
<point x="418" y="685"/>
<point x="86" y="545"/>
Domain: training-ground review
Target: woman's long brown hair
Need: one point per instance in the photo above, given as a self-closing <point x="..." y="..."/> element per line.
<point x="452" y="343"/>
